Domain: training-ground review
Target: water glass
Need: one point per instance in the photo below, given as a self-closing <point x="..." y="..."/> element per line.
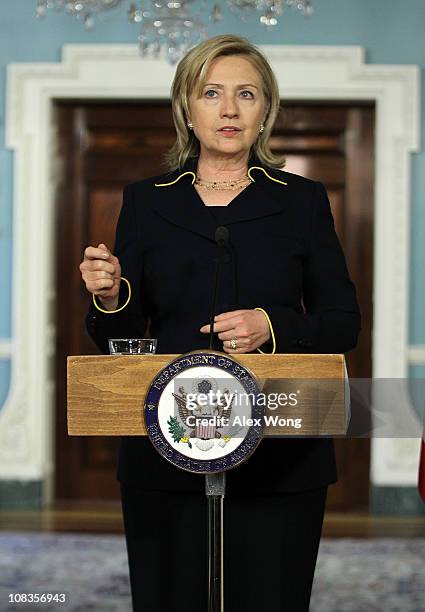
<point x="132" y="346"/>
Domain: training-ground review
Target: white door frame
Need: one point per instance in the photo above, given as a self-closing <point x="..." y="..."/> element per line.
<point x="118" y="72"/>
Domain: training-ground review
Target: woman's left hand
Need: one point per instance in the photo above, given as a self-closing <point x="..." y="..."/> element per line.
<point x="249" y="328"/>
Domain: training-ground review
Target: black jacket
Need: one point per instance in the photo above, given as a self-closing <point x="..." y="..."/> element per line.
<point x="284" y="249"/>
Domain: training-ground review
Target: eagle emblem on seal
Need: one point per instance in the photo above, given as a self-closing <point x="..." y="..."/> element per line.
<point x="203" y="419"/>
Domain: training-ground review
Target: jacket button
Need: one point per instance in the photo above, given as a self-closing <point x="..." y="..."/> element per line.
<point x="304" y="342"/>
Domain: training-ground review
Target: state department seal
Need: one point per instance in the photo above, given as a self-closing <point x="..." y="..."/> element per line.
<point x="201" y="412"/>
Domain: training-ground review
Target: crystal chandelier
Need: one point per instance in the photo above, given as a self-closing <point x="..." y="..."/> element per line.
<point x="169" y="25"/>
<point x="82" y="9"/>
<point x="174" y="26"/>
<point x="270" y="10"/>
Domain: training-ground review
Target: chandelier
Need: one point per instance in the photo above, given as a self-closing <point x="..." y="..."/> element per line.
<point x="174" y="26"/>
<point x="81" y="9"/>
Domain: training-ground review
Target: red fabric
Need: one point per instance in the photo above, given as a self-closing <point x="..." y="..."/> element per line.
<point x="421" y="477"/>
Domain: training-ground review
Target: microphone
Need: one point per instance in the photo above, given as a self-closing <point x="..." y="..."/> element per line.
<point x="221" y="237"/>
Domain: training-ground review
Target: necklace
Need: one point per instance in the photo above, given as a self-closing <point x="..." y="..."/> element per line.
<point x="223" y="185"/>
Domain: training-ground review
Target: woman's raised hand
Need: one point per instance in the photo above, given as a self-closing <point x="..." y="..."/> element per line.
<point x="101" y="271"/>
<point x="248" y="328"/>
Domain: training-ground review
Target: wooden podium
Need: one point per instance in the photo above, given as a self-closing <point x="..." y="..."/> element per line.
<point x="106" y="393"/>
<point x="106" y="397"/>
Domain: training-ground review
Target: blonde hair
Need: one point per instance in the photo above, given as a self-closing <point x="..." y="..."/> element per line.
<point x="190" y="76"/>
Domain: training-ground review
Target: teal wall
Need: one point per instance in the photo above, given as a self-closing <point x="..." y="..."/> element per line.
<point x="391" y="33"/>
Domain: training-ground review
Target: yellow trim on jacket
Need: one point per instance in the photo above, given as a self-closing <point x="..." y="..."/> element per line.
<point x="177" y="179"/>
<point x="266" y="173"/>
<point x="271" y="332"/>
<point x="117" y="309"/>
<point x="194" y="177"/>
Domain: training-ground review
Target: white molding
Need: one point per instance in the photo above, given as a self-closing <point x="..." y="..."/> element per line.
<point x="394" y="462"/>
<point x="117" y="71"/>
<point x="6" y="349"/>
<point x="416" y="354"/>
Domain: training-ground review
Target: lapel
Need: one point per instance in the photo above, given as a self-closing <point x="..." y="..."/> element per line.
<point x="178" y="201"/>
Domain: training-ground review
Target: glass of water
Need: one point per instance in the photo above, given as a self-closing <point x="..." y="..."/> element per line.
<point x="132" y="346"/>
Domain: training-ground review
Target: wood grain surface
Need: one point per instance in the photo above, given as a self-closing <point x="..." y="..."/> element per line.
<point x="106" y="393"/>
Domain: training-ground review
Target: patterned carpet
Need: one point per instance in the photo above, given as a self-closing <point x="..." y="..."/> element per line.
<point x="352" y="575"/>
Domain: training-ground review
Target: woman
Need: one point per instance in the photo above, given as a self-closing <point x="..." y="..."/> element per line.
<point x="284" y="249"/>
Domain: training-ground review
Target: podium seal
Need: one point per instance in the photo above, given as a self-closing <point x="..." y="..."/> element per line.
<point x="201" y="412"/>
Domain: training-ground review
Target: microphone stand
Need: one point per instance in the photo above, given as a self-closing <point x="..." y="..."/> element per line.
<point x="215" y="484"/>
<point x="222" y="239"/>
<point x="217" y="272"/>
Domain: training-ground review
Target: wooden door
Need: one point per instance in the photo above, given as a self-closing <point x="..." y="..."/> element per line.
<point x="101" y="147"/>
<point x="334" y="144"/>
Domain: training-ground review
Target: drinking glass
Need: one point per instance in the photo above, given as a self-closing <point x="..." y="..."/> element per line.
<point x="132" y="346"/>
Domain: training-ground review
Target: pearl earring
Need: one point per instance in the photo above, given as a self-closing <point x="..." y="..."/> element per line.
<point x="261" y="128"/>
<point x="190" y="125"/>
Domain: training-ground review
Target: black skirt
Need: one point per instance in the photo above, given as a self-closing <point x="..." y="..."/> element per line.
<point x="270" y="549"/>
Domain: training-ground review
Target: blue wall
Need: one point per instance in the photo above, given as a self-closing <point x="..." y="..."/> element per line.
<point x="391" y="32"/>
